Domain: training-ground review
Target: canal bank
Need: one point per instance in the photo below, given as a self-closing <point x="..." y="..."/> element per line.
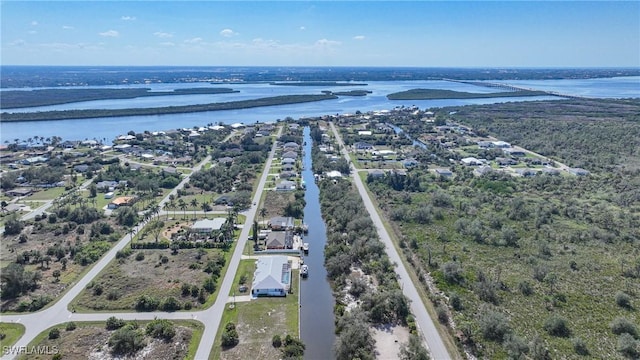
<point x="317" y="329"/>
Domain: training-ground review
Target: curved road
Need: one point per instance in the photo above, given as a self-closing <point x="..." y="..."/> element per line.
<point x="436" y="346"/>
<point x="58" y="313"/>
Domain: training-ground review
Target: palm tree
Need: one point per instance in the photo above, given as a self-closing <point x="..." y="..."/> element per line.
<point x="205" y="207"/>
<point x="167" y="207"/>
<point x="183" y="206"/>
<point x="194" y="203"/>
<point x="263" y="213"/>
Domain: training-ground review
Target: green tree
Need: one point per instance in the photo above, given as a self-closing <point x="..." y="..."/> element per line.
<point x="126" y="340"/>
<point x="414" y="349"/>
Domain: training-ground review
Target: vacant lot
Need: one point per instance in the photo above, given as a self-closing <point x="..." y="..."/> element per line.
<point x="158" y="274"/>
<point x="90" y="341"/>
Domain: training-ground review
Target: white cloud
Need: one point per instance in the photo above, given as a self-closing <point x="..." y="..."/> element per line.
<point x="194" y="40"/>
<point x="128" y="18"/>
<point x="326" y="42"/>
<point x="18" y="42"/>
<point x="110" y="33"/>
<point x="358" y="37"/>
<point x="33" y="32"/>
<point x="228" y="33"/>
<point x="34" y="23"/>
<point x="67" y="27"/>
<point x="163" y="35"/>
<point x="303" y="28"/>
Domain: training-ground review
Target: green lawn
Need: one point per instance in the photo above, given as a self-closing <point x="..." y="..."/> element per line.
<point x="48" y="194"/>
<point x="11" y="332"/>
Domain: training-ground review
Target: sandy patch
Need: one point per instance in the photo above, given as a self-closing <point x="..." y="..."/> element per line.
<point x="388" y="340"/>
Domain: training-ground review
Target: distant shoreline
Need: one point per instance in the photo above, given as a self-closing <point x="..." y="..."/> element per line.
<point x="438" y="94"/>
<point x="166" y="110"/>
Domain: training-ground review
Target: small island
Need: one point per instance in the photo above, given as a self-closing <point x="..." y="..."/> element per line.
<point x="348" y="93"/>
<point x="316" y="83"/>
<point x="14" y="99"/>
<point x="98" y="113"/>
<point x="438" y="94"/>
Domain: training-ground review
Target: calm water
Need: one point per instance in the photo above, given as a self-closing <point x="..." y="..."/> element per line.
<point x="316" y="299"/>
<point x="110" y="128"/>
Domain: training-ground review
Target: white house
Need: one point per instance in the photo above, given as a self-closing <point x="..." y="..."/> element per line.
<point x="272" y="276"/>
<point x="208" y="225"/>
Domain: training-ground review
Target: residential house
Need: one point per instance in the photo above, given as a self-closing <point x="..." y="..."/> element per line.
<point x="288" y="161"/>
<point x="19" y="192"/>
<point x="279" y="240"/>
<point x="500" y="144"/>
<point x="281" y="223"/>
<point x="334" y="174"/>
<point x="471" y="161"/>
<point x="291" y="146"/>
<point x="286" y="167"/>
<point x="206" y="226"/>
<point x="513" y="152"/>
<point x="525" y="172"/>
<point x="578" y="172"/>
<point x="272" y="276"/>
<point x="362" y="146"/>
<point x="286" y="185"/>
<point x="290" y="155"/>
<point x="445" y="173"/>
<point x="287" y="174"/>
<point x="121" y="201"/>
<point x="550" y="171"/>
<point x="482" y="170"/>
<point x="506" y="161"/>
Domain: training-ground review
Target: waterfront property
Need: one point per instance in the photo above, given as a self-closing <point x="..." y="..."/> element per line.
<point x="272" y="276"/>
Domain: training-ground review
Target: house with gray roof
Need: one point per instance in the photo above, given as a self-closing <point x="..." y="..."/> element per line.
<point x="272" y="276"/>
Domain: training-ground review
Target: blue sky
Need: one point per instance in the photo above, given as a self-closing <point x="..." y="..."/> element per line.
<point x="322" y="33"/>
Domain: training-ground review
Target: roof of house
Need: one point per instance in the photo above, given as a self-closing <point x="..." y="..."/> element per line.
<point x="272" y="272"/>
<point x="286" y="185"/>
<point x="209" y="224"/>
<point x="334" y="174"/>
<point x="123" y="200"/>
<point x="289" y="154"/>
<point x="281" y="221"/>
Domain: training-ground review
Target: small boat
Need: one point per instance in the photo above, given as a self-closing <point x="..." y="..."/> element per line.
<point x="304" y="271"/>
<point x="305" y="248"/>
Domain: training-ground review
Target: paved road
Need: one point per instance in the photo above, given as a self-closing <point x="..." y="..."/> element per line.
<point x="58" y="313"/>
<point x="213" y="315"/>
<point x="425" y="323"/>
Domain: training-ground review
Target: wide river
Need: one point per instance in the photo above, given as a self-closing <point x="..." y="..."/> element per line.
<point x="109" y="128"/>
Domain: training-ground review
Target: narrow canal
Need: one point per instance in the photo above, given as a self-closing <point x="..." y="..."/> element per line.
<point x="317" y="329"/>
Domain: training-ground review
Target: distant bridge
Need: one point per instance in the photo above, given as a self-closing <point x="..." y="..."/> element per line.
<point x="510" y="87"/>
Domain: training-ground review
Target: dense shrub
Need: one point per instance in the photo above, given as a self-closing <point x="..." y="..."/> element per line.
<point x="230" y="336"/>
<point x="557" y="326"/>
<point x="161" y="329"/>
<point x="621" y="325"/>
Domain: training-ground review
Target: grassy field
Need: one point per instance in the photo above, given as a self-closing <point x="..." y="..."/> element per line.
<point x="10" y="332"/>
<point x="48" y="194"/>
<point x="257" y="322"/>
<point x="90" y="340"/>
